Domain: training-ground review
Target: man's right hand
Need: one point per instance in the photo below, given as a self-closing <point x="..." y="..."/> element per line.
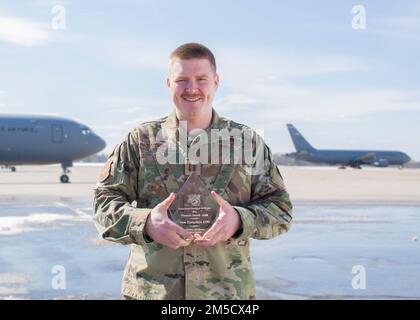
<point x="164" y="231"/>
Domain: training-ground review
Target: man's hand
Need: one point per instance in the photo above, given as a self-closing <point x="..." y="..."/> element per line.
<point x="225" y="226"/>
<point x="164" y="231"/>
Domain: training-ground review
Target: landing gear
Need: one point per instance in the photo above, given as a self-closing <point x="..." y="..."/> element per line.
<point x="12" y="168"/>
<point x="64" y="177"/>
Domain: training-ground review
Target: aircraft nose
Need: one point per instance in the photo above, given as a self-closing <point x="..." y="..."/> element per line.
<point x="100" y="143"/>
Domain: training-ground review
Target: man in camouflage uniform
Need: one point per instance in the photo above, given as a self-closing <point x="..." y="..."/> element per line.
<point x="136" y="189"/>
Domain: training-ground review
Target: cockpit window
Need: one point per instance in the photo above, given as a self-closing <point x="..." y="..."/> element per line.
<point x="86" y="131"/>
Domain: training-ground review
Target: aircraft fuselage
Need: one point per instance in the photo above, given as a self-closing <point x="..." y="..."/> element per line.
<point x="45" y="140"/>
<point x="379" y="158"/>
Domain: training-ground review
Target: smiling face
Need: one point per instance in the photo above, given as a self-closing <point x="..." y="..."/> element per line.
<point x="192" y="85"/>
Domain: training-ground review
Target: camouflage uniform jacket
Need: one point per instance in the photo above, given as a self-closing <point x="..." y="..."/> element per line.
<point x="133" y="182"/>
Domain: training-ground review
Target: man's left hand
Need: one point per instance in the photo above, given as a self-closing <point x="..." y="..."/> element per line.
<point x="226" y="225"/>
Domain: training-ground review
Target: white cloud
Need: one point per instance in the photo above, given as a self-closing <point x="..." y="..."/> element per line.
<point x="107" y="127"/>
<point x="23" y="32"/>
<point x="286" y="103"/>
<point x="124" y="113"/>
<point x="132" y="105"/>
<point x="149" y="54"/>
<point x="2" y="92"/>
<point x="258" y="86"/>
<point x="145" y="55"/>
<point x="127" y="110"/>
<point x="233" y="100"/>
<point x="144" y="118"/>
<point x="267" y="86"/>
<point x="262" y="66"/>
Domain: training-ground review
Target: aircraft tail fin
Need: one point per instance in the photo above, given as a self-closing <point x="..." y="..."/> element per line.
<point x="298" y="140"/>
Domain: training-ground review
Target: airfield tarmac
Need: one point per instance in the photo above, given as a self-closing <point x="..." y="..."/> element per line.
<point x="305" y="184"/>
<point x="342" y="219"/>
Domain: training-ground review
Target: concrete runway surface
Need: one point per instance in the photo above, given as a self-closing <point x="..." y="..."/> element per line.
<point x="344" y="219"/>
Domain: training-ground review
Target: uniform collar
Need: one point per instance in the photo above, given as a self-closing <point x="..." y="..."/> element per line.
<point x="172" y="121"/>
<point x="175" y="135"/>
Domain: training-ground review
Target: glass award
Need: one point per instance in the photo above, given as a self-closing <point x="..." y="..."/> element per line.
<point x="194" y="208"/>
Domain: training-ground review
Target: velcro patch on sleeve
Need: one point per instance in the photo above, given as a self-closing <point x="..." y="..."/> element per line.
<point x="106" y="171"/>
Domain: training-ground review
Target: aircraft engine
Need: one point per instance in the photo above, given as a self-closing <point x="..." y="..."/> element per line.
<point x="381" y="163"/>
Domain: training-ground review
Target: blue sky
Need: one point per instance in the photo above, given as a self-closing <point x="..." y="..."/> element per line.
<point x="279" y="62"/>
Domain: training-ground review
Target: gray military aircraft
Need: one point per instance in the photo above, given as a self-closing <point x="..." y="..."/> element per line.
<point x="31" y="139"/>
<point x="353" y="158"/>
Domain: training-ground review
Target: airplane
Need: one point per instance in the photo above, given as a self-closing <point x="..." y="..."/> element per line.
<point x="352" y="158"/>
<point x="35" y="139"/>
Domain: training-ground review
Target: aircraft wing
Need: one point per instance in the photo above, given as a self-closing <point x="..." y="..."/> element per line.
<point x="366" y="158"/>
